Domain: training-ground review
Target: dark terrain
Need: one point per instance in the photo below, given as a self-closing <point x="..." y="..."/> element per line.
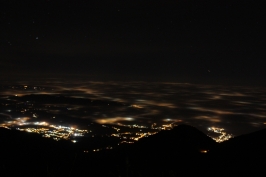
<point x="176" y="152"/>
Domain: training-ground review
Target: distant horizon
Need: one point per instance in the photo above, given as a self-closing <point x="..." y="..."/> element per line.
<point x="89" y="78"/>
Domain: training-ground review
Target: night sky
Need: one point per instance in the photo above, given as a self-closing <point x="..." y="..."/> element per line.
<point x="196" y="41"/>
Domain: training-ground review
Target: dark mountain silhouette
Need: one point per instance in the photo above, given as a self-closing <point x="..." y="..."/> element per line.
<point x="244" y="154"/>
<point x="176" y="152"/>
<point x="254" y="141"/>
<point x="170" y="152"/>
<point x="29" y="154"/>
<point x="183" y="137"/>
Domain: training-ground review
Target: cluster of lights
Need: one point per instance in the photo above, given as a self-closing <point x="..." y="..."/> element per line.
<point x="223" y="135"/>
<point x="58" y="132"/>
<point x="129" y="137"/>
<point x="132" y="126"/>
<point x="163" y="127"/>
<point x="47" y="130"/>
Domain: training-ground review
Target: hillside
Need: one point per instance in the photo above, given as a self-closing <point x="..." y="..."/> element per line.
<point x="182" y="151"/>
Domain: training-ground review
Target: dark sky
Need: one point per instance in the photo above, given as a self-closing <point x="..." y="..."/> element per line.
<point x="214" y="41"/>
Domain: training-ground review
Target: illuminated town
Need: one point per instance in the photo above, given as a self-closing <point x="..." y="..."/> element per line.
<point x="223" y="135"/>
<point x="59" y="132"/>
<point x="45" y="129"/>
<point x="144" y="131"/>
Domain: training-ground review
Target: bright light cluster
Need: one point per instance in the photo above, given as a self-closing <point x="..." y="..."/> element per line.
<point x="128" y="137"/>
<point x="223" y="135"/>
<point x="143" y="131"/>
<point x="49" y="131"/>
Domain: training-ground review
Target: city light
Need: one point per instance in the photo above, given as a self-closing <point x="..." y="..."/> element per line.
<point x="56" y="132"/>
<point x="223" y="135"/>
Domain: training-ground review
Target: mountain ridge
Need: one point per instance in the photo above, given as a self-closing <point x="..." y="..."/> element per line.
<point x="171" y="153"/>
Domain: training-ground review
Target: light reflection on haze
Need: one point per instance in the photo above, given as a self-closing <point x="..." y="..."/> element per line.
<point x="238" y="109"/>
<point x="113" y="120"/>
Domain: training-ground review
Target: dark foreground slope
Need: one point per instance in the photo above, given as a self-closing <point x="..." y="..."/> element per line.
<point x="244" y="155"/>
<point x="29" y="154"/>
<point x="176" y="152"/>
<point x="171" y="153"/>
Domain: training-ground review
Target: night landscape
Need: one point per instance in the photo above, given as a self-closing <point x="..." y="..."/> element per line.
<point x="132" y="88"/>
